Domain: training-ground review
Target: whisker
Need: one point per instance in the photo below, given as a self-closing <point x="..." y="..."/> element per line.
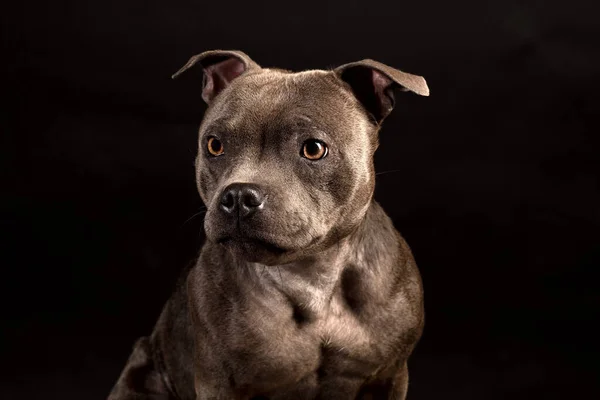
<point x="387" y="172"/>
<point x="202" y="211"/>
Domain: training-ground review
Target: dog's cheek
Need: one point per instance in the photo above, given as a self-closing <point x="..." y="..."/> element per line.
<point x="208" y="226"/>
<point x="351" y="191"/>
<point x="296" y="216"/>
<point x="342" y="184"/>
<point x="314" y="203"/>
<point x="202" y="185"/>
<point x="207" y="183"/>
<point x="317" y="213"/>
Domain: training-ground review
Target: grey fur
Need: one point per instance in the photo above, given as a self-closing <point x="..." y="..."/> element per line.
<point x="315" y="295"/>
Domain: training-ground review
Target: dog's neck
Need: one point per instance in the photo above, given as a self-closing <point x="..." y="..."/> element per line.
<point x="310" y="284"/>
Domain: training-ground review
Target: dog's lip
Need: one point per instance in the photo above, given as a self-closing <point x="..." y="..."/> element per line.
<point x="269" y="245"/>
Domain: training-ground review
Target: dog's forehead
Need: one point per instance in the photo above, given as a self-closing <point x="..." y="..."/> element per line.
<point x="279" y="96"/>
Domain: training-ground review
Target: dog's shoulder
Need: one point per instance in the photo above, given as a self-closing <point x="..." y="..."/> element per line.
<point x="384" y="277"/>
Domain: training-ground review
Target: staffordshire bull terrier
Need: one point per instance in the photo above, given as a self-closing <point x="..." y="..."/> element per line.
<point x="304" y="289"/>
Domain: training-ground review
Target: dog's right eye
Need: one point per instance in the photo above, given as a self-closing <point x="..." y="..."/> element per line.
<point x="314" y="149"/>
<point x="215" y="147"/>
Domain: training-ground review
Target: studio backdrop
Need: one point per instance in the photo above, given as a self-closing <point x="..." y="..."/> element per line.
<point x="492" y="179"/>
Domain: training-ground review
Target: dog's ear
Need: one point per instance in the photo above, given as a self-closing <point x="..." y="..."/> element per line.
<point x="220" y="68"/>
<point x="373" y="84"/>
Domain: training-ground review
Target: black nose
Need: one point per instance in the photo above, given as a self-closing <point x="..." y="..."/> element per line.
<point x="244" y="198"/>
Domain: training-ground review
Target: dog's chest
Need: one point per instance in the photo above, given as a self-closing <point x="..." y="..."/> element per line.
<point x="278" y="344"/>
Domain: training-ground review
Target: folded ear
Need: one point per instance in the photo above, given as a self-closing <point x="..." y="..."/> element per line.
<point x="220" y="68"/>
<point x="373" y="84"/>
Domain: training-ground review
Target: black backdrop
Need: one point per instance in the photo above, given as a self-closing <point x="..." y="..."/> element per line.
<point x="495" y="186"/>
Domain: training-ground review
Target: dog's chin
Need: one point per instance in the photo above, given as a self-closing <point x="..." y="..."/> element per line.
<point x="255" y="250"/>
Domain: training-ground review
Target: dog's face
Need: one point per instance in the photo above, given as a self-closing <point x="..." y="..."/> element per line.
<point x="277" y="172"/>
<point x="285" y="160"/>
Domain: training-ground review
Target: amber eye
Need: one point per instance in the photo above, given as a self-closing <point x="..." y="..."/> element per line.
<point x="314" y="149"/>
<point x="215" y="147"/>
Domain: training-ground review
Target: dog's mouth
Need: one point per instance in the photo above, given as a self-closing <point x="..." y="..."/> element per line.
<point x="250" y="244"/>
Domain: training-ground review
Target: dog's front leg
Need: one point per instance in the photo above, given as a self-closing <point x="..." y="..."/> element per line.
<point x="392" y="388"/>
<point x="212" y="393"/>
<point x="399" y="385"/>
<point x="140" y="379"/>
<point x="212" y="386"/>
<point x="339" y="388"/>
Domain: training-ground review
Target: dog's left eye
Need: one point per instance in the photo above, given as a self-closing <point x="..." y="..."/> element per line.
<point x="215" y="147"/>
<point x="314" y="149"/>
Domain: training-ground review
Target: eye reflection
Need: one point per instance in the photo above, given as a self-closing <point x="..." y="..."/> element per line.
<point x="215" y="147"/>
<point x="314" y="149"/>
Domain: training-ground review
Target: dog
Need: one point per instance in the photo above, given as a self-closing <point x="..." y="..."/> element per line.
<point x="303" y="289"/>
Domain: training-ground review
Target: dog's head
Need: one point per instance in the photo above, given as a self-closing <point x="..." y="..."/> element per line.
<point x="285" y="162"/>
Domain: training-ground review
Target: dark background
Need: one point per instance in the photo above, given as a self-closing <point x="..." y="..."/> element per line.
<point x="496" y="189"/>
